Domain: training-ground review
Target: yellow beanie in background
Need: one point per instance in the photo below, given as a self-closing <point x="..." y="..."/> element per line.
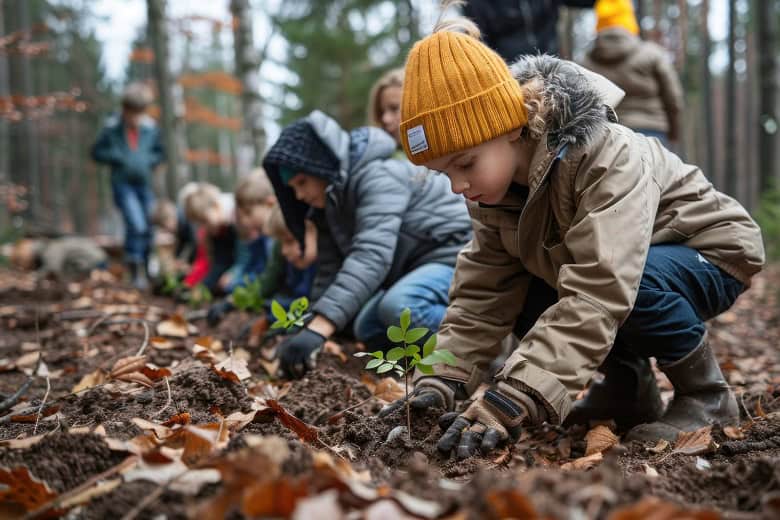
<point x="457" y="93"/>
<point x="616" y="13"/>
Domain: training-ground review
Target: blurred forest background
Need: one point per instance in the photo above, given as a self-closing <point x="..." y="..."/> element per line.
<point x="229" y="81"/>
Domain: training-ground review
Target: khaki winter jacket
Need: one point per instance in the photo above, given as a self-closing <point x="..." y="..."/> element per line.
<point x="654" y="95"/>
<point x="599" y="196"/>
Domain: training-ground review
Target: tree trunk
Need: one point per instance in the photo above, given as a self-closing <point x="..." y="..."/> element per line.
<point x="158" y="33"/>
<point x="769" y="171"/>
<point x="706" y="86"/>
<point x="252" y="140"/>
<point x="30" y="172"/>
<point x="731" y="106"/>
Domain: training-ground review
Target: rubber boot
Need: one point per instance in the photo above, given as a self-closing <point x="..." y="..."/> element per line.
<point x="701" y="397"/>
<point x="138" y="275"/>
<point x="628" y="394"/>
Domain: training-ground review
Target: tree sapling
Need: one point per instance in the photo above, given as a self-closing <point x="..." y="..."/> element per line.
<point x="404" y="359"/>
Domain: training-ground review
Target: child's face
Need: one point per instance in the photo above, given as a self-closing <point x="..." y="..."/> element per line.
<point x="252" y="220"/>
<point x="213" y="219"/>
<point x="291" y="248"/>
<point x="483" y="173"/>
<point x="390" y="110"/>
<point x="309" y="189"/>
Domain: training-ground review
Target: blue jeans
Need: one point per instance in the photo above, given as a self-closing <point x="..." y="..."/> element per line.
<point x="424" y="291"/>
<point x="135" y="203"/>
<point x="678" y="292"/>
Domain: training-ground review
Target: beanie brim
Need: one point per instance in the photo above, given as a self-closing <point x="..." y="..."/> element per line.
<point x="464" y="124"/>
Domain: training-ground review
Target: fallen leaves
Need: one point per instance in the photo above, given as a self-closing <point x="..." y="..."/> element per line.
<point x="584" y="463"/>
<point x="18" y="486"/>
<point x="302" y="430"/>
<point x="599" y="439"/>
<point x="696" y="442"/>
<point x="510" y="504"/>
<point x="652" y="508"/>
<point x="176" y="327"/>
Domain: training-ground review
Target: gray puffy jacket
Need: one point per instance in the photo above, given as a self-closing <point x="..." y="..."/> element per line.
<point x="383" y="218"/>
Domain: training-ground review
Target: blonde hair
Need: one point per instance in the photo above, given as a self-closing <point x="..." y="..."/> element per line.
<point x="391" y="78"/>
<point x="199" y="200"/>
<point x="537" y="106"/>
<point x="458" y="23"/>
<point x="275" y="226"/>
<point x="253" y="189"/>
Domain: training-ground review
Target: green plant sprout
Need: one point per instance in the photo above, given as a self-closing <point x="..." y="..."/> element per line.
<point x="171" y="284"/>
<point x="199" y="296"/>
<point x="247" y="297"/>
<point x="292" y="318"/>
<point x="404" y="359"/>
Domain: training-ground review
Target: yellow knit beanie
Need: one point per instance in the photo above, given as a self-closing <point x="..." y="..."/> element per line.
<point x="616" y="13"/>
<point x="457" y="93"/>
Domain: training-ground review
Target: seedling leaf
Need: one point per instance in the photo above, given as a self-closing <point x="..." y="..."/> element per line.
<point x="395" y="334"/>
<point x="406" y="319"/>
<point x="415" y="334"/>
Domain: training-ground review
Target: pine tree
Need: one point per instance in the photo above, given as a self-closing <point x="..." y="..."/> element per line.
<point x="337" y="50"/>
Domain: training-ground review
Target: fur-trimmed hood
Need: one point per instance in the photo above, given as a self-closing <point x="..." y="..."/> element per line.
<point x="582" y="101"/>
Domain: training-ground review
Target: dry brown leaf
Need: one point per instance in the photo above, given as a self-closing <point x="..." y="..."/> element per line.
<point x="181" y="418"/>
<point x="652" y="508"/>
<point x="98" y="377"/>
<point x="759" y="409"/>
<point x="203" y="354"/>
<point x="586" y="462"/>
<point x="273" y="499"/>
<point x="734" y="432"/>
<point x="650" y="471"/>
<point x="160" y="431"/>
<point x="175" y="327"/>
<point x="388" y="389"/>
<point x="136" y="377"/>
<point x="660" y="446"/>
<point x="510" y="504"/>
<point x="19" y="444"/>
<point x="304" y="431"/>
<point x="161" y="343"/>
<point x="155" y="373"/>
<point x="696" y="442"/>
<point x="210" y="343"/>
<point x="33" y="417"/>
<point x="18" y="486"/>
<point x="599" y="439"/>
<point x="128" y="365"/>
<point x="271" y="367"/>
<point x="237" y="367"/>
<point x="331" y="347"/>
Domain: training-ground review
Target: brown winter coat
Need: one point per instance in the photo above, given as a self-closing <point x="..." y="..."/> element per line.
<point x="600" y="195"/>
<point x="643" y="70"/>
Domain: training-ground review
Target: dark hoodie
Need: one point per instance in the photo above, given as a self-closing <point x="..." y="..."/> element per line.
<point x="644" y="71"/>
<point x="382" y="219"/>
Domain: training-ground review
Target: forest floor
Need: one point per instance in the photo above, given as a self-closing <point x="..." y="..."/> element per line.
<point x="190" y="423"/>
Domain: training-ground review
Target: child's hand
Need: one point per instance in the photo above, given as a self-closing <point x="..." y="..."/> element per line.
<point x="298" y="353"/>
<point x="429" y="392"/>
<point x="491" y="419"/>
<point x="224" y="281"/>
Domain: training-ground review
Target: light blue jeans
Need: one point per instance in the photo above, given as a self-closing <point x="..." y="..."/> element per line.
<point x="424" y="291"/>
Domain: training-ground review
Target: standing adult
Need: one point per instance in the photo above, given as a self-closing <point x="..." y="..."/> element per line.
<point x="131" y="145"/>
<point x="643" y="69"/>
<point x="516" y="27"/>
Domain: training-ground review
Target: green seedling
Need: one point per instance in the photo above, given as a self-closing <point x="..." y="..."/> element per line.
<point x="404" y="359"/>
<point x="199" y="296"/>
<point x="171" y="284"/>
<point x="247" y="297"/>
<point x="292" y="318"/>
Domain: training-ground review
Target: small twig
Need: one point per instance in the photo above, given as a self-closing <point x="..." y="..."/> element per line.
<point x="742" y="402"/>
<point x="40" y="409"/>
<point x="168" y="402"/>
<point x="122" y="322"/>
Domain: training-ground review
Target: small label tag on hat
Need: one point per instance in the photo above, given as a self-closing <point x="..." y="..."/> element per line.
<point x="417" y="141"/>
